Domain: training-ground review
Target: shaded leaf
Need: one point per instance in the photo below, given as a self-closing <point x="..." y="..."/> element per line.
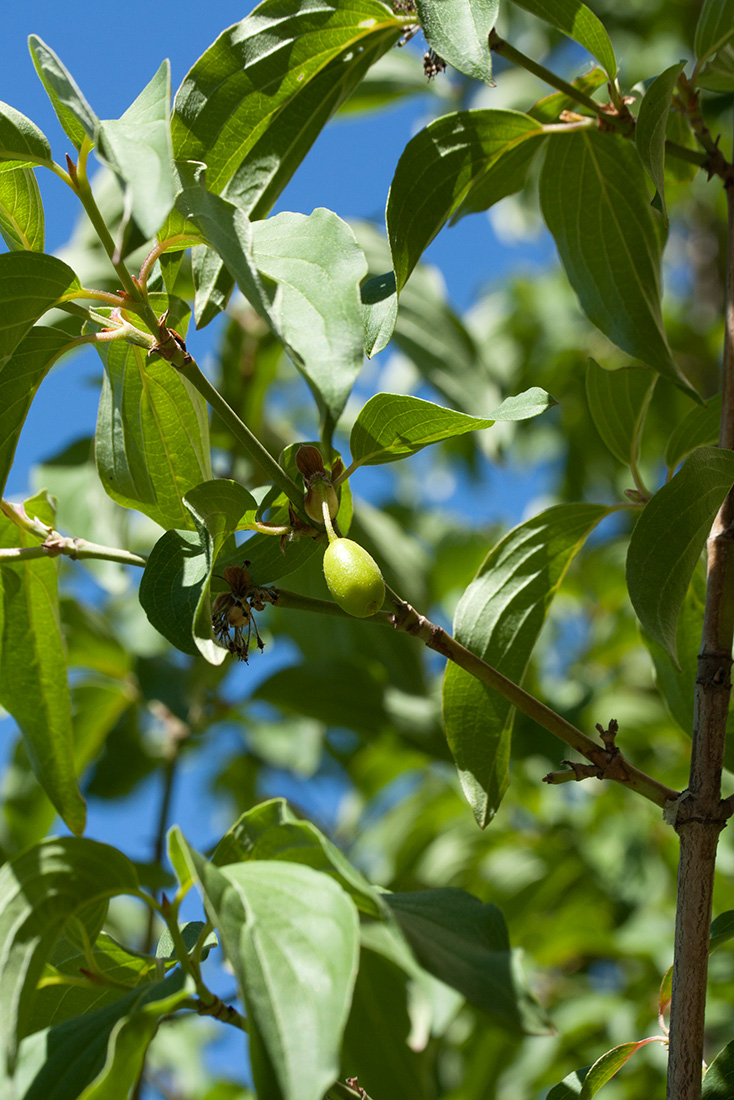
<point x="391" y="426"/>
<point x="618" y="402"/>
<point x="33" y="678"/>
<point x="380" y="311"/>
<point x="21" y="209"/>
<point x="74" y="113"/>
<point x="499" y="618"/>
<point x="20" y="376"/>
<point x="20" y="139"/>
<point x="699" y="427"/>
<point x="436" y="171"/>
<point x="722" y="930"/>
<point x="718" y="1083"/>
<point x="30" y="284"/>
<point x="576" y="20"/>
<point x="152" y="441"/>
<point x="272" y="831"/>
<point x="650" y="131"/>
<point x="39" y="891"/>
<point x="138" y="148"/>
<point x="465" y="944"/>
<point x="458" y="30"/>
<point x="668" y="539"/>
<point x="174" y="590"/>
<point x="718" y="73"/>
<point x="714" y="28"/>
<point x="292" y="937"/>
<point x="97" y="1056"/>
<point x="596" y="205"/>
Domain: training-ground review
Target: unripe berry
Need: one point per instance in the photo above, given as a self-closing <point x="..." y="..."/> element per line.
<point x="354" y="578"/>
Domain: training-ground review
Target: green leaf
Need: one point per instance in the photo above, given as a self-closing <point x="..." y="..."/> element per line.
<point x="33" y="679"/>
<point x="650" y="131"/>
<point x="699" y="427"/>
<point x="20" y="139"/>
<point x="596" y="205"/>
<point x="20" y="377"/>
<point x="436" y="171"/>
<point x="152" y="441"/>
<point x="668" y="539"/>
<point x="272" y="831"/>
<point x="718" y="73"/>
<point x="718" y="1083"/>
<point x="39" y="891"/>
<point x="551" y="107"/>
<point x="74" y="113"/>
<point x="380" y="305"/>
<point x="138" y="148"/>
<point x="292" y="937"/>
<point x="98" y="1056"/>
<point x="238" y="87"/>
<point x="714" y="28"/>
<point x="618" y="402"/>
<point x="21" y="209"/>
<point x="174" y="591"/>
<point x="318" y="266"/>
<point x="30" y="284"/>
<point x="499" y="618"/>
<point x="505" y="176"/>
<point x="391" y="426"/>
<point x="458" y="30"/>
<point x="585" y="1083"/>
<point x="722" y="930"/>
<point x="578" y="22"/>
<point x="465" y="944"/>
<point x="56" y="1001"/>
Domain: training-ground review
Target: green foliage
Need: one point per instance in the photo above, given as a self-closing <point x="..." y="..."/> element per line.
<point x="379" y="943"/>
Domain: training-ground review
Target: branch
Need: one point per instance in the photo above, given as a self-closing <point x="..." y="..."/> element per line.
<point x="702" y="814"/>
<point x="611" y="764"/>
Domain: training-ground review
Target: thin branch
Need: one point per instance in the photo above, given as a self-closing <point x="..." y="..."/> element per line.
<point x="405" y="618"/>
<point x="77" y="549"/>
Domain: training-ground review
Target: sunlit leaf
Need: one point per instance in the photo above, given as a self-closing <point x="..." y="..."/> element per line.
<point x="436" y="171"/>
<point x="391" y="426"/>
<point x="30" y="284"/>
<point x="33" y="678"/>
<point x="577" y="21"/>
<point x="21" y="209"/>
<point x="499" y="618"/>
<point x="458" y="31"/>
<point x="39" y="891"/>
<point x="73" y="112"/>
<point x="20" y="139"/>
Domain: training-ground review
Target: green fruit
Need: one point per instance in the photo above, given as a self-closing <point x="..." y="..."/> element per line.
<point x="354" y="578"/>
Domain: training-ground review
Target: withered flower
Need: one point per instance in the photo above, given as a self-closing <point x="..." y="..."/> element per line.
<point x="233" y="619"/>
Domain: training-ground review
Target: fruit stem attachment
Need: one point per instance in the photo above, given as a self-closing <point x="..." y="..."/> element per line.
<point x="327" y="521"/>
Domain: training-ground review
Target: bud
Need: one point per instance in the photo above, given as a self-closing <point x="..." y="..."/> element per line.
<point x="317" y="479"/>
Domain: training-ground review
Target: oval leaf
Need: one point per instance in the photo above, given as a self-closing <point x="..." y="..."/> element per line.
<point x="596" y="205"/>
<point x="618" y="402"/>
<point x="391" y="426"/>
<point x="20" y="139"/>
<point x="21" y="209"/>
<point x="578" y="22"/>
<point x="73" y="112"/>
<point x="650" y="131"/>
<point x="292" y="937"/>
<point x="437" y="169"/>
<point x="668" y="538"/>
<point x="458" y="30"/>
<point x="39" y="891"/>
<point x="465" y="944"/>
<point x="34" y="686"/>
<point x="499" y="618"/>
<point x="714" y="29"/>
<point x="30" y="284"/>
<point x="152" y="441"/>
